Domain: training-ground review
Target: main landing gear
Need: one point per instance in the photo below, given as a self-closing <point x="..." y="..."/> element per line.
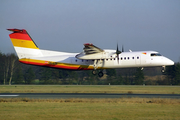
<point x="96" y="64"/>
<point x="100" y="73"/>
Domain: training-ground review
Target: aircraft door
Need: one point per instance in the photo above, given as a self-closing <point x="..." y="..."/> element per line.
<point x="138" y="59"/>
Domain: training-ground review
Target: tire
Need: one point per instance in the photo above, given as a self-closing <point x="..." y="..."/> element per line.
<point x="100" y="74"/>
<point x="94" y="72"/>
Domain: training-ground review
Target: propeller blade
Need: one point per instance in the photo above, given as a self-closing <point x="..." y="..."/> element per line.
<point x="122" y="48"/>
<point x="117" y="50"/>
<point x="117" y="53"/>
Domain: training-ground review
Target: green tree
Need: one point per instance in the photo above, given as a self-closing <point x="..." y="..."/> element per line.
<point x="126" y="80"/>
<point x="73" y="77"/>
<point x="111" y="78"/>
<point x="45" y="75"/>
<point x="29" y="76"/>
<point x="126" y="75"/>
<point x="13" y="65"/>
<point x="18" y="76"/>
<point x="55" y="75"/>
<point x="120" y="80"/>
<point x="81" y="75"/>
<point x="91" y="79"/>
<point x="5" y="62"/>
<point x="173" y="74"/>
<point x="111" y="72"/>
<point x="1" y="69"/>
<point x="177" y="74"/>
<point x="8" y="65"/>
<point x="170" y="75"/>
<point x="139" y="76"/>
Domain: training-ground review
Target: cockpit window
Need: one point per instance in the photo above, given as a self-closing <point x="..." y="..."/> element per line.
<point x="155" y="54"/>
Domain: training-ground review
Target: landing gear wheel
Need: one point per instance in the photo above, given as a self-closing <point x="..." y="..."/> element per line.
<point x="100" y="74"/>
<point x="94" y="72"/>
<point x="163" y="69"/>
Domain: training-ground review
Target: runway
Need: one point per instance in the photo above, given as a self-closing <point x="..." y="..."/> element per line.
<point x="85" y="95"/>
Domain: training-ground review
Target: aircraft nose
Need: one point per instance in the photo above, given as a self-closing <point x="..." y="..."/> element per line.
<point x="171" y="62"/>
<point x="168" y="62"/>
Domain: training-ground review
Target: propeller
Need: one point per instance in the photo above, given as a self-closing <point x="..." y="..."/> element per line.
<point x="118" y="52"/>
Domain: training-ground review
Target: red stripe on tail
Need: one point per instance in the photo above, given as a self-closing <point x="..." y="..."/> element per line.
<point x="19" y="34"/>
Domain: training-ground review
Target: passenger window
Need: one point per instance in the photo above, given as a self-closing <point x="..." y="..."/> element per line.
<point x="137" y="57"/>
<point x="124" y="58"/>
<point x="128" y="58"/>
<point x="132" y="57"/>
<point x="121" y="58"/>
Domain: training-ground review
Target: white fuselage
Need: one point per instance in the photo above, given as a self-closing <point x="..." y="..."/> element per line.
<point x="91" y="58"/>
<point x="128" y="59"/>
<point x="109" y="59"/>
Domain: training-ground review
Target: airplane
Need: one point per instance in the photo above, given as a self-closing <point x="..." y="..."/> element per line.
<point x="92" y="57"/>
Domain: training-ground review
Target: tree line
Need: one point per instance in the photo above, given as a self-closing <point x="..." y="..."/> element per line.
<point x="14" y="72"/>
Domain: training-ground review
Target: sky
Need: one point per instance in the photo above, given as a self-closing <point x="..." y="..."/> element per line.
<point x="65" y="25"/>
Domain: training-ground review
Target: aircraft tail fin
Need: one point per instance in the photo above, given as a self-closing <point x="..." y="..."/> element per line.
<point x="24" y="45"/>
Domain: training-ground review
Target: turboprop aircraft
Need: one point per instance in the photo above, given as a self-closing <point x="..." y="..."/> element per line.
<point x="92" y="57"/>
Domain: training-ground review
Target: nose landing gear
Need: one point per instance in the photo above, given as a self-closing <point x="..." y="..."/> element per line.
<point x="163" y="69"/>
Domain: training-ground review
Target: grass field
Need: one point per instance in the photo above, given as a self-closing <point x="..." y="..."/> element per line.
<point x="89" y="89"/>
<point x="90" y="109"/>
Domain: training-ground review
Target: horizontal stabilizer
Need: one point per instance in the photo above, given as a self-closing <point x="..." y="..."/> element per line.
<point x="17" y="30"/>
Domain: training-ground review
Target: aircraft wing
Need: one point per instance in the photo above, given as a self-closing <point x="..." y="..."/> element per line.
<point x="90" y="51"/>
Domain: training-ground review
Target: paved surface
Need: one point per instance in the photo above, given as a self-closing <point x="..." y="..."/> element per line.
<point x="85" y="95"/>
